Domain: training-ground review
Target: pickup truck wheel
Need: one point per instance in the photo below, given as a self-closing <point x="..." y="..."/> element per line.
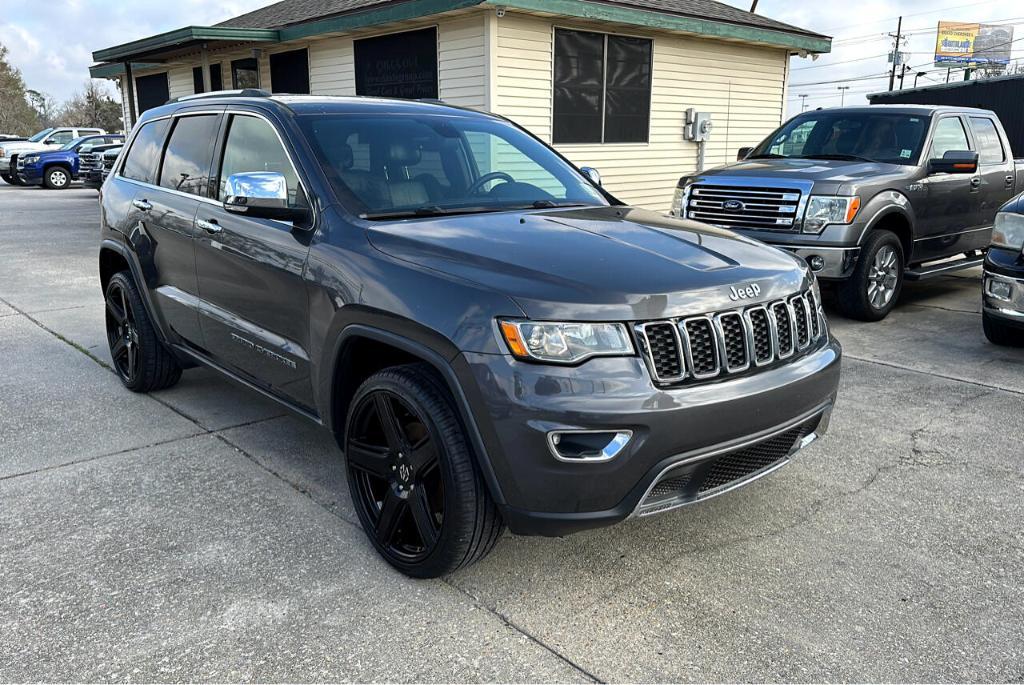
<point x="57" y="178"/>
<point x="999" y="333"/>
<point x="877" y="280"/>
<point x="140" y="360"/>
<point x="8" y="179"/>
<point x="415" y="484"/>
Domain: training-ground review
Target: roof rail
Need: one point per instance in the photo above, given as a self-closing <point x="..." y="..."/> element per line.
<point x="241" y="93"/>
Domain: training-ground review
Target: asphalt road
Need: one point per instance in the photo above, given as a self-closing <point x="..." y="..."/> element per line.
<point x="203" y="534"/>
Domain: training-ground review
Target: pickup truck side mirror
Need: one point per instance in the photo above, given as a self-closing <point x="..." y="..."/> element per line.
<point x="743" y="153"/>
<point x="954" y="162"/>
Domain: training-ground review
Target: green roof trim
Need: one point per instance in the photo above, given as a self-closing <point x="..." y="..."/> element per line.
<point x="660" y="20"/>
<point x="117" y="69"/>
<point x="178" y="37"/>
<point x="384" y="15"/>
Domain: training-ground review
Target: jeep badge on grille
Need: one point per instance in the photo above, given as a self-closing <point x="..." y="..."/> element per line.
<point x="751" y="291"/>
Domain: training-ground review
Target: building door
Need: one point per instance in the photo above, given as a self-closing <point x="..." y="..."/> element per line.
<point x="398" y="65"/>
<point x="152" y="91"/>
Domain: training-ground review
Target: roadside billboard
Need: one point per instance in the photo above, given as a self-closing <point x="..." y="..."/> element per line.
<point x="959" y="43"/>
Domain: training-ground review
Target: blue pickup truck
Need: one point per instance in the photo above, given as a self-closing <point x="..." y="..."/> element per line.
<point x="56" y="169"/>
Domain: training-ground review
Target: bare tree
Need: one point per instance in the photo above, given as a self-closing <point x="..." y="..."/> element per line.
<point x="93" y="107"/>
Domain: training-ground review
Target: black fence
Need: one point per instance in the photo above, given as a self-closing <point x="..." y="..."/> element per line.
<point x="1004" y="95"/>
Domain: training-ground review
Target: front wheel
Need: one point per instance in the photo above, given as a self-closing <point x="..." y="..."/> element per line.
<point x="140" y="360"/>
<point x="8" y="179"/>
<point x="874" y="287"/>
<point x="415" y="486"/>
<point x="56" y="178"/>
<point x="1000" y="333"/>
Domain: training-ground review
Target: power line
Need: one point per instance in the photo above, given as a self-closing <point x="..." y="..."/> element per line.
<point x="912" y="14"/>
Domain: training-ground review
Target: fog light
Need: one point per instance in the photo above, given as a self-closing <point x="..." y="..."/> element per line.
<point x="589" y="446"/>
<point x="1000" y="290"/>
<point x="816" y="262"/>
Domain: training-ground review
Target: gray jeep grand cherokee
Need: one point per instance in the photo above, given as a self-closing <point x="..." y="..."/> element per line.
<point x="491" y="336"/>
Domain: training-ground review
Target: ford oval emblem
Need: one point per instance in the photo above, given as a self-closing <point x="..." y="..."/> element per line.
<point x="733" y="206"/>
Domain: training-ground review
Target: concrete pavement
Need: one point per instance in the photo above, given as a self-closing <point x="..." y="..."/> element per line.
<point x="202" y="533"/>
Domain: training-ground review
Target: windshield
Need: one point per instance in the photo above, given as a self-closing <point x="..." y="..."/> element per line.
<point x="39" y="136"/>
<point x="838" y="134"/>
<point x="409" y="165"/>
<point x="73" y="144"/>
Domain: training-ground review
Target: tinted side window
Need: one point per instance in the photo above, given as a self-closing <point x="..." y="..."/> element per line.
<point x="141" y="162"/>
<point x="189" y="152"/>
<point x="949" y="135"/>
<point x="253" y="146"/>
<point x="990" y="147"/>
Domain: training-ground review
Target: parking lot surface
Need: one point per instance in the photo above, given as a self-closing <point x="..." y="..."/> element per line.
<point x="204" y="534"/>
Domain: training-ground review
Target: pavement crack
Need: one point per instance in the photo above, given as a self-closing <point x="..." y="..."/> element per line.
<point x="59" y="336"/>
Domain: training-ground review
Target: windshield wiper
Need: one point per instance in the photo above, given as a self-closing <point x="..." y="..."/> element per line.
<point x="427" y="211"/>
<point x="551" y="204"/>
<point x="852" y="158"/>
<point x="767" y="155"/>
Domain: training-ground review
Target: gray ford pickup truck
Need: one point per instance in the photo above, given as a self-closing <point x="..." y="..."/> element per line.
<point x="869" y="196"/>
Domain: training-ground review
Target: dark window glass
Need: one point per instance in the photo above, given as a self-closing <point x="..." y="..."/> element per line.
<point x="253" y="146"/>
<point x="197" y="80"/>
<point x="189" y="151"/>
<point x="579" y="86"/>
<point x="289" y="72"/>
<point x="245" y="73"/>
<point x="142" y="159"/>
<point x="399" y="65"/>
<point x="152" y="91"/>
<point x="990" y="147"/>
<point x="602" y="88"/>
<point x="216" y="80"/>
<point x="628" y="94"/>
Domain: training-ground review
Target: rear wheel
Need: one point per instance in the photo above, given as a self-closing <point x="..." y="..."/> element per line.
<point x="874" y="287"/>
<point x="56" y="178"/>
<point x="1000" y="333"/>
<point x="415" y="485"/>
<point x="140" y="360"/>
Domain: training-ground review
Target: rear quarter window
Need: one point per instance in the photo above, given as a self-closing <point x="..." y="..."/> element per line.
<point x="141" y="162"/>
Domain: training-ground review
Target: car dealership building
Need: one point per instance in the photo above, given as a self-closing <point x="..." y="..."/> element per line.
<point x="607" y="83"/>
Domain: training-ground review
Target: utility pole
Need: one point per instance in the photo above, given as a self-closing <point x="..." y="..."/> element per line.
<point x="903" y="74"/>
<point x="803" y="102"/>
<point x="896" y="52"/>
<point x="753" y="7"/>
<point x="842" y="96"/>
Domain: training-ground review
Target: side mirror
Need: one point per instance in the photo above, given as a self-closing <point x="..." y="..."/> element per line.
<point x="261" y="195"/>
<point x="954" y="162"/>
<point x="743" y="153"/>
<point x="593" y="174"/>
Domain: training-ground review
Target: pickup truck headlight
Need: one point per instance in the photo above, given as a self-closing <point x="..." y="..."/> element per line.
<point x="30" y="159"/>
<point x="1008" y="231"/>
<point x="823" y="210"/>
<point x="565" y="343"/>
<point x="679" y="198"/>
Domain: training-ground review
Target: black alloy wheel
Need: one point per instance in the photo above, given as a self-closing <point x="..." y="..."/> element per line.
<point x="415" y="483"/>
<point x="140" y="360"/>
<point x="122" y="334"/>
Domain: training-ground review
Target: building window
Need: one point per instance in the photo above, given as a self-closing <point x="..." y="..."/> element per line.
<point x="216" y="80"/>
<point x="197" y="80"/>
<point x="398" y="65"/>
<point x="245" y="73"/>
<point x="289" y="72"/>
<point x="152" y="91"/>
<point x="602" y="88"/>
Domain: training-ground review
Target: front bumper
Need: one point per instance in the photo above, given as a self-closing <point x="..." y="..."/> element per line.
<point x="1004" y="270"/>
<point x="678" y="433"/>
<point x="5" y="164"/>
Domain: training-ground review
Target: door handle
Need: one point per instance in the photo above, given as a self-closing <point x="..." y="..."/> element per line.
<point x="1010" y="179"/>
<point x="144" y="205"/>
<point x="975" y="182"/>
<point x="210" y="226"/>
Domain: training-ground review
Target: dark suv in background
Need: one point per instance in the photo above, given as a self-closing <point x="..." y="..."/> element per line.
<point x="492" y="337"/>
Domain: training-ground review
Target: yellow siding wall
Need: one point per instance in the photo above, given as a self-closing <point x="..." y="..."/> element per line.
<point x="741" y="85"/>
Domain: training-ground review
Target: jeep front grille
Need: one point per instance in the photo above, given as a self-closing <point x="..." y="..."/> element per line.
<point x="726" y="343"/>
<point x="758" y="208"/>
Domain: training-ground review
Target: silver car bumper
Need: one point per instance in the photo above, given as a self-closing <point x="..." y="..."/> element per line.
<point x="1004" y="296"/>
<point x="828" y="262"/>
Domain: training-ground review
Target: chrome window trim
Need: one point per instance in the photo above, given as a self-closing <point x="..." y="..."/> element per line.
<point x="648" y="355"/>
<point x="689" y="347"/>
<point x="723" y="348"/>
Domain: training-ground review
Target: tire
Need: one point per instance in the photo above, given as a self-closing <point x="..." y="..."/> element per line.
<point x="57" y="178"/>
<point x="140" y="360"/>
<point x="873" y="289"/>
<point x="1000" y="333"/>
<point x="417" y="489"/>
<point x="8" y="179"/>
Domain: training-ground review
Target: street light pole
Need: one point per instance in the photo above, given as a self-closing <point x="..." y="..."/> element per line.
<point x="803" y="102"/>
<point x="918" y="75"/>
<point x="842" y="97"/>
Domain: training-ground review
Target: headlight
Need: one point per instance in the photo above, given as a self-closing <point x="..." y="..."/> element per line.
<point x="3" y="152"/>
<point x="565" y="343"/>
<point x="679" y="198"/>
<point x="823" y="210"/>
<point x="1008" y="231"/>
<point x="30" y="159"/>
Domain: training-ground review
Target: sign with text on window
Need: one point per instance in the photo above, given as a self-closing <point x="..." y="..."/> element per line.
<point x="398" y="65"/>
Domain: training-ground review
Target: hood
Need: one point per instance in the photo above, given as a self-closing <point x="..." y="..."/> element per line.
<point x="837" y="172"/>
<point x="23" y="146"/>
<point x="595" y="263"/>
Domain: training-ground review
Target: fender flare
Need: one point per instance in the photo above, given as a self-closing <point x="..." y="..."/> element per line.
<point x="444" y="367"/>
<point x="109" y="244"/>
<point x="892" y="202"/>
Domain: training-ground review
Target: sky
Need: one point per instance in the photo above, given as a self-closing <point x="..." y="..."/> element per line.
<point x="51" y="41"/>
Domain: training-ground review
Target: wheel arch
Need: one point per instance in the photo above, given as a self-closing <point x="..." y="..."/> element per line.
<point x="361" y="350"/>
<point x="895" y="219"/>
<point x="114" y="256"/>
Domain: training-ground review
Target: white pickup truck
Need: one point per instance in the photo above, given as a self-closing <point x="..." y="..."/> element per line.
<point x="46" y="139"/>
